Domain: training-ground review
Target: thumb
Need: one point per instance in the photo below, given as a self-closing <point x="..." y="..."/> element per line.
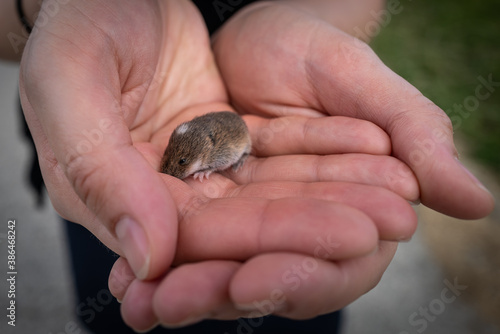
<point x="72" y="112"/>
<point x="421" y="133"/>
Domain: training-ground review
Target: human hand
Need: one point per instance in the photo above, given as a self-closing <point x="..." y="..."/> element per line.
<point x="229" y="266"/>
<point x="98" y="84"/>
<point x="101" y="118"/>
<point x="280" y="58"/>
<point x="286" y="284"/>
<point x="223" y="284"/>
<point x="213" y="278"/>
<point x="100" y="127"/>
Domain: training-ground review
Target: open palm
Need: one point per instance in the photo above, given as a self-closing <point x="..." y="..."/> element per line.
<point x="292" y="58"/>
<point x="104" y="83"/>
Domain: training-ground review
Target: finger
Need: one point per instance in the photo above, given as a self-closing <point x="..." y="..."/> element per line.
<point x="198" y="291"/>
<point x="325" y="135"/>
<point x="393" y="217"/>
<point x="120" y="278"/>
<point x="382" y="171"/>
<point x="300" y="287"/>
<point x="421" y="133"/>
<point x="90" y="140"/>
<point x="137" y="308"/>
<point x="254" y="225"/>
<point x="193" y="292"/>
<point x="187" y="294"/>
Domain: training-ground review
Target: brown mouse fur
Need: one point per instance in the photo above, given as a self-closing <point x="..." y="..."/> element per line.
<point x="208" y="143"/>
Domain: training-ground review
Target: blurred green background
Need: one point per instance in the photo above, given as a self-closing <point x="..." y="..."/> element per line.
<point x="442" y="47"/>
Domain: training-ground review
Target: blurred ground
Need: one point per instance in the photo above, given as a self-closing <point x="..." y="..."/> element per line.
<point x="446" y="49"/>
<point x="444" y="253"/>
<point x="409" y="299"/>
<point x="43" y="286"/>
<point x="469" y="250"/>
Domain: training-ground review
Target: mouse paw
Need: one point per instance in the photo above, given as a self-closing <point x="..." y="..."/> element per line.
<point x="201" y="175"/>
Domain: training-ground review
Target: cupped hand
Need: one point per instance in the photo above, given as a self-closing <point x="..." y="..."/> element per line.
<point x="302" y="259"/>
<point x="259" y="241"/>
<point x="282" y="58"/>
<point x="312" y="211"/>
<point x="104" y="83"/>
<point x="287" y="284"/>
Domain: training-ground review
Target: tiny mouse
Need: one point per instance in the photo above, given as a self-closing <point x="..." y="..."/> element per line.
<point x="208" y="143"/>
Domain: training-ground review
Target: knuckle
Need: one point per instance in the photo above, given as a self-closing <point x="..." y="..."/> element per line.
<point x="86" y="176"/>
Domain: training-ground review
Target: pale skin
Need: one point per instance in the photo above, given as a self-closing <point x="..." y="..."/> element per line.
<point x="134" y="94"/>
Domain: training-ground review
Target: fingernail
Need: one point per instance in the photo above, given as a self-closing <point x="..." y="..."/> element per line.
<point x="404" y="239"/>
<point x="415" y="202"/>
<point x="472" y="177"/>
<point x="134" y="245"/>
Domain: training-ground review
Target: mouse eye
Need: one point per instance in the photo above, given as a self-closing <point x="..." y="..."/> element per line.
<point x="182" y="162"/>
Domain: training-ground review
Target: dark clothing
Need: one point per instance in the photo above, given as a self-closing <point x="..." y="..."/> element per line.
<point x="216" y="12"/>
<point x="91" y="261"/>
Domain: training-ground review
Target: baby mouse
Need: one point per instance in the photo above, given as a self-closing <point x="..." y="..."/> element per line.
<point x="208" y="143"/>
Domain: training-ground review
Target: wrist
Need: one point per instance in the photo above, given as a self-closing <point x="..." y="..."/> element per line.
<point x="11" y="27"/>
<point x="30" y="8"/>
<point x="348" y="16"/>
